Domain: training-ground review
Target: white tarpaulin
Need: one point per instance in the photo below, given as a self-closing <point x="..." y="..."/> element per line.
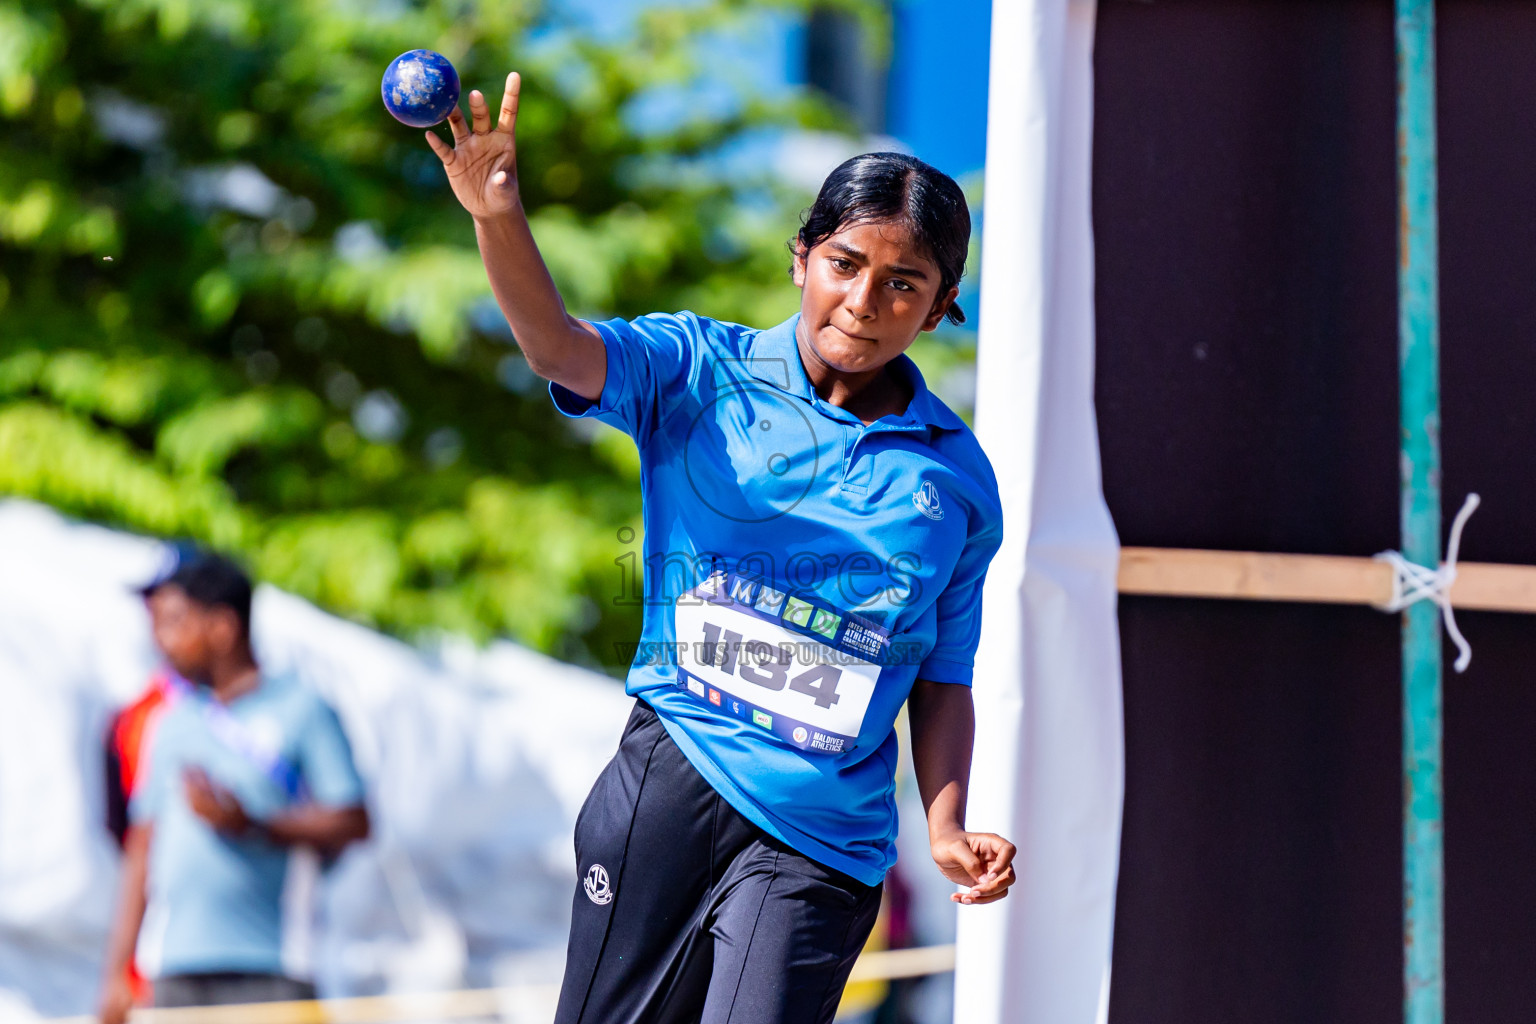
<point x="1049" y="763"/>
<point x="476" y="765"/>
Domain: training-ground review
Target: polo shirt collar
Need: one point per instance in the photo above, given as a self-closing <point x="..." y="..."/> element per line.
<point x="774" y="359"/>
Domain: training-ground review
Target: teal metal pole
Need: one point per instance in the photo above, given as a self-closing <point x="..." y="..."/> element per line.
<point x="1418" y="354"/>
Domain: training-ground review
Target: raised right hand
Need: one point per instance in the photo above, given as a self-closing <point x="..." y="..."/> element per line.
<point x="482" y="162"/>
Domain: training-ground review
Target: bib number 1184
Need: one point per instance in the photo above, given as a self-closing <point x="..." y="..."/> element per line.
<point x="767" y="665"/>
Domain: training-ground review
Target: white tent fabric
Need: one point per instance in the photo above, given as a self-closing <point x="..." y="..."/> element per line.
<point x="1048" y="770"/>
<point x="476" y="765"/>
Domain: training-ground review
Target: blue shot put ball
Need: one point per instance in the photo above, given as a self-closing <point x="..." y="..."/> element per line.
<point x="420" y="88"/>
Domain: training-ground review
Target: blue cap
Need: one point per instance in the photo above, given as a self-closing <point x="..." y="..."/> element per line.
<point x="176" y="555"/>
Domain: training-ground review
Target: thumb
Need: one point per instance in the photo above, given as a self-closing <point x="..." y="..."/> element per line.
<point x="967" y="859"/>
<point x="444" y="152"/>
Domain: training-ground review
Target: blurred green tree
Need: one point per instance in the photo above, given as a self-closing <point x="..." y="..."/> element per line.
<point x="238" y="302"/>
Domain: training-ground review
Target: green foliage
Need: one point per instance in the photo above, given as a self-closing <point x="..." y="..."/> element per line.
<point x="238" y="302"/>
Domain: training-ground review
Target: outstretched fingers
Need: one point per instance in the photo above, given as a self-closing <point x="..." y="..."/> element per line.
<point x="459" y="125"/>
<point x="508" y="117"/>
<point x="479" y="112"/>
<point x="442" y="149"/>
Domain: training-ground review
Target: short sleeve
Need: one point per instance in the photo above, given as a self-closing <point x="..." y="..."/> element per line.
<point x="325" y="761"/>
<point x="953" y="657"/>
<point x="652" y="361"/>
<point x="147" y="801"/>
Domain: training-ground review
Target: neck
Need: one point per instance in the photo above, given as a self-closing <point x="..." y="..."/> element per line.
<point x="868" y="394"/>
<point x="234" y="676"/>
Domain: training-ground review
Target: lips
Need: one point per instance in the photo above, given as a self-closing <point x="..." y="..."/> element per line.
<point x="853" y="337"/>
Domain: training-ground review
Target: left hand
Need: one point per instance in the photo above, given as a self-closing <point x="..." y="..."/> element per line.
<point x="214" y="804"/>
<point x="981" y="861"/>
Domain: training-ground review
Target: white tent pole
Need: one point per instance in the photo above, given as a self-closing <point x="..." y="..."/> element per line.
<point x="1049" y="762"/>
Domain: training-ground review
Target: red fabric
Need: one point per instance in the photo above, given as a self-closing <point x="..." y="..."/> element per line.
<point x="132" y="728"/>
<point x="131" y="732"/>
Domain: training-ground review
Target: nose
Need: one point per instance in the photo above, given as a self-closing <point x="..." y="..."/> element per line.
<point x="859" y="300"/>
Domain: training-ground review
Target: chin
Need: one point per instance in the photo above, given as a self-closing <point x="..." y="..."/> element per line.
<point x="844" y="355"/>
<point x="195" y="674"/>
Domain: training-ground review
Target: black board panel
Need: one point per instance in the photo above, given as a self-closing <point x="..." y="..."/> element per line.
<point x="1259" y="864"/>
<point x="1245" y="226"/>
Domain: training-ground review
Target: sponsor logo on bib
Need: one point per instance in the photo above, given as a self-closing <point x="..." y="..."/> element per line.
<point x="788" y="664"/>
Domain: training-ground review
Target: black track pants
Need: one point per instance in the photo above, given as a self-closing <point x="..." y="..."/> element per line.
<point x="686" y="912"/>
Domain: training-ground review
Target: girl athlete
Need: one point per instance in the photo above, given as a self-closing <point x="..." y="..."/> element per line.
<point x="818" y="526"/>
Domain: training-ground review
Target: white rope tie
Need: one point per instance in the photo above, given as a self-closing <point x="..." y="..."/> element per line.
<point x="1412" y="583"/>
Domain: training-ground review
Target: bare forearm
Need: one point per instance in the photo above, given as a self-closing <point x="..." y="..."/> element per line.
<point x="131" y="898"/>
<point x="558" y="346"/>
<point x="327" y="828"/>
<point x="943" y="728"/>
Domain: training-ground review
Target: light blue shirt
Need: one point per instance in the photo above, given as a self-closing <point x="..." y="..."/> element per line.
<point x="216" y="903"/>
<point x="802" y="570"/>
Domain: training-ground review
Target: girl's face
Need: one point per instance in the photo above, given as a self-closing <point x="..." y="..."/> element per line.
<point x="867" y="292"/>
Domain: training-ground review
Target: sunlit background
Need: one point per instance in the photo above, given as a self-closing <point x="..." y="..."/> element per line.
<point x="239" y="305"/>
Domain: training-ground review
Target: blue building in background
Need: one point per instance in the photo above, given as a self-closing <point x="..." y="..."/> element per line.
<point x="926" y="89"/>
<point x="937" y="81"/>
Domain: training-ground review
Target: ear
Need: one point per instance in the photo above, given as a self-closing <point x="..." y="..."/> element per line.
<point x="797" y="269"/>
<point x="940" y="307"/>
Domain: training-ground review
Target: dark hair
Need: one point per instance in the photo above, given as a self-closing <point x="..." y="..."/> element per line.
<point x="214" y="581"/>
<point x="901" y="188"/>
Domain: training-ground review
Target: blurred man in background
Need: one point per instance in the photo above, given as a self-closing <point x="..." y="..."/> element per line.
<point x="247" y="779"/>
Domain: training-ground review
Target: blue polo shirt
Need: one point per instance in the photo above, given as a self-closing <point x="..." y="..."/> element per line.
<point x="236" y="903"/>
<point x="801" y="571"/>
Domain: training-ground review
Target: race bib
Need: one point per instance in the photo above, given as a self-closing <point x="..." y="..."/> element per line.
<point x="787" y="664"/>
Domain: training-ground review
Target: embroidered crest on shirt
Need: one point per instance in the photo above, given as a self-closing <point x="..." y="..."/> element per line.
<point x="926" y="498"/>
<point x="596" y="885"/>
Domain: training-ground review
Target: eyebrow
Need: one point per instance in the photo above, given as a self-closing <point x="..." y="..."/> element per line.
<point x="848" y="250"/>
